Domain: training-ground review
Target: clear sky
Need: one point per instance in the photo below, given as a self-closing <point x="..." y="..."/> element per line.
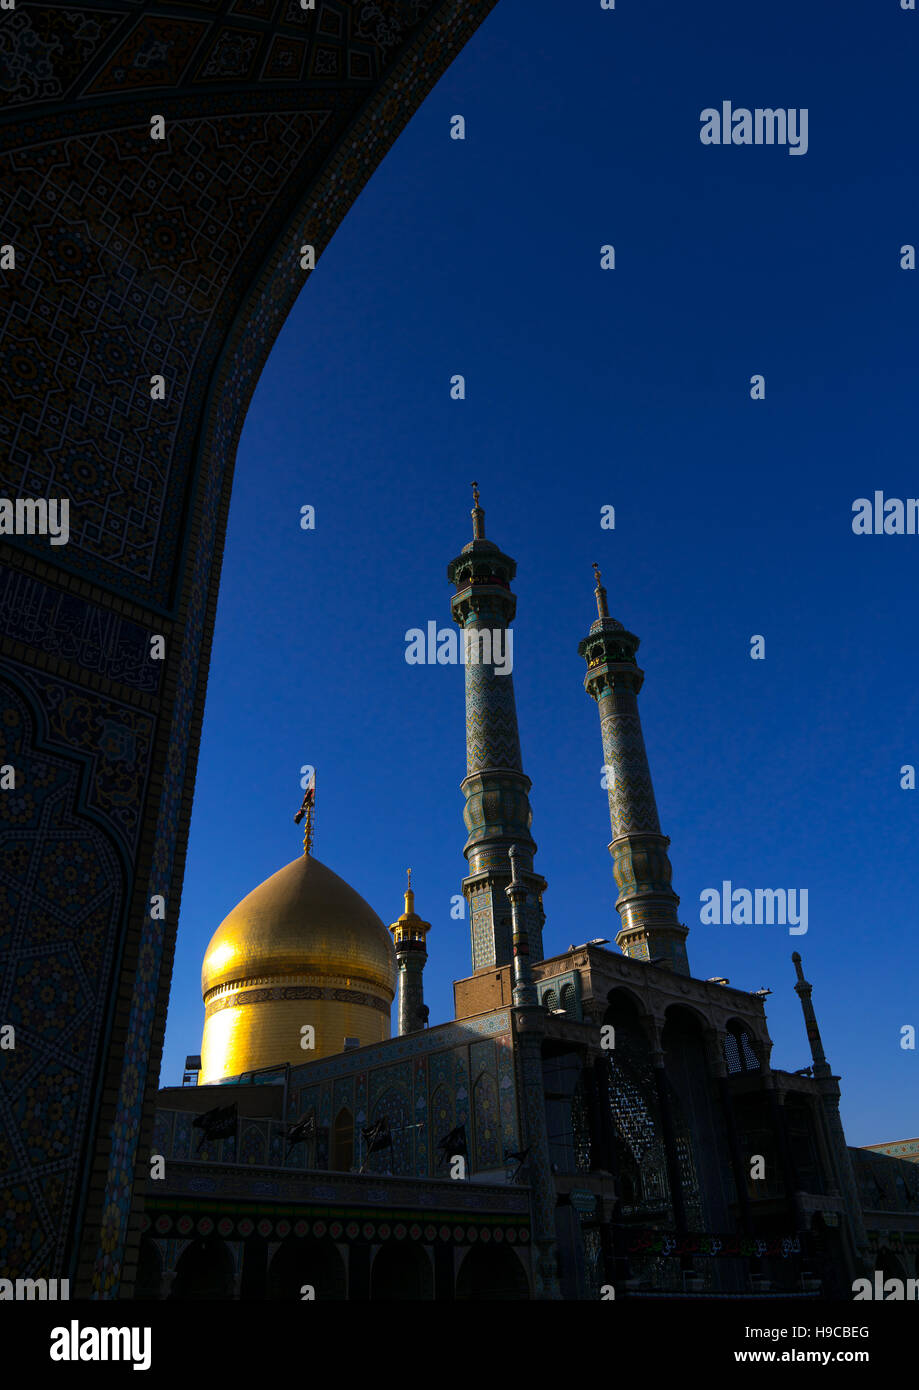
<point x="587" y="388"/>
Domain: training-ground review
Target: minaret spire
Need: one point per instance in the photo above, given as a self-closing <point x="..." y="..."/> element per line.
<point x="409" y="935"/>
<point x="478" y="516"/>
<point x="602" y="609"/>
<point x="496" y="789"/>
<point x="647" y="905"/>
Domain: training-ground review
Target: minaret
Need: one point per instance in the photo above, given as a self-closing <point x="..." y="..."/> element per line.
<point x="828" y="1086"/>
<point x="804" y="990"/>
<point x="647" y="904"/>
<point x="497" y="812"/>
<point x="409" y="934"/>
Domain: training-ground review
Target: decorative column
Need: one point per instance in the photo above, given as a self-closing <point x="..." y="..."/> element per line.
<point x="497" y="812"/>
<point x="647" y="905"/>
<point x="516" y="891"/>
<point x="828" y="1086"/>
<point x="529" y="1030"/>
<point x="409" y="934"/>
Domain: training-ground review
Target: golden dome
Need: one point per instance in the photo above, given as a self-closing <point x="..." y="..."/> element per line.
<point x="302" y="918"/>
<point x="302" y="948"/>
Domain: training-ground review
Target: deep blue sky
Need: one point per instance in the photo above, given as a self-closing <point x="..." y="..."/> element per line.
<point x="584" y="388"/>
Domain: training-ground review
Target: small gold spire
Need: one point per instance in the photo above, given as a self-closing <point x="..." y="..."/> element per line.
<point x="600" y="592"/>
<point x="478" y="516"/>
<point x="409" y="927"/>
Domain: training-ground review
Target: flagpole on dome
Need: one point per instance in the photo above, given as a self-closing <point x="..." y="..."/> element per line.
<point x="308" y="811"/>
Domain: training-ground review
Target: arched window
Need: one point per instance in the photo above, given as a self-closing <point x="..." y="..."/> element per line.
<point x="298" y="1263"/>
<point x="740" y="1049"/>
<point x="638" y="1157"/>
<point x="401" y="1272"/>
<point x="342" y="1158"/>
<point x="204" y="1271"/>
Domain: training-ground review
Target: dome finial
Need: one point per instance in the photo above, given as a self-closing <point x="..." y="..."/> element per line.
<point x="308" y="809"/>
<point x="600" y="593"/>
<point x="409" y="895"/>
<point x="478" y="516"/>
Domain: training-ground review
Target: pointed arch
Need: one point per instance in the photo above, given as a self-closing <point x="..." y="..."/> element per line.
<point x="401" y="1272"/>
<point x="341" y="1157"/>
<point x="204" y="1271"/>
<point x="491" y="1272"/>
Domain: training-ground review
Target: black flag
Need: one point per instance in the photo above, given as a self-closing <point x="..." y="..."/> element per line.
<point x="305" y="1128"/>
<point x="453" y="1145"/>
<point x="219" y="1123"/>
<point x="376" y="1136"/>
<point x="308" y="800"/>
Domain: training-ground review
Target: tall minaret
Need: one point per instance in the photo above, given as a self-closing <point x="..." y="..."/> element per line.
<point x="497" y="810"/>
<point x="409" y="934"/>
<point x="828" y="1086"/>
<point x="647" y="903"/>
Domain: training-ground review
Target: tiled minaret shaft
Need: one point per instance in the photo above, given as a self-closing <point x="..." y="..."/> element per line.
<point x="497" y="813"/>
<point x="647" y="905"/>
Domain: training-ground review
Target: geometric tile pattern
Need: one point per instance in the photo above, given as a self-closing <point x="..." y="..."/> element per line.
<point x="137" y="258"/>
<point x="121" y="279"/>
<point x="492" y="739"/>
<point x="631" y="796"/>
<point x="60" y="898"/>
